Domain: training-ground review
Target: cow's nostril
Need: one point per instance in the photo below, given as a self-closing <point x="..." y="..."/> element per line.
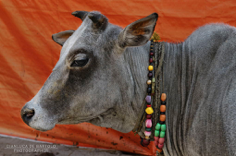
<point x="27" y="114"/>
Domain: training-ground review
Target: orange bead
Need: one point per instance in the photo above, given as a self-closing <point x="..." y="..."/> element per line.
<point x="162" y="117"/>
<point x="163" y="108"/>
<point x="163" y="97"/>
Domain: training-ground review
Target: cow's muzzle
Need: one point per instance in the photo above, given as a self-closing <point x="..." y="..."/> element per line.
<point x="27" y="114"/>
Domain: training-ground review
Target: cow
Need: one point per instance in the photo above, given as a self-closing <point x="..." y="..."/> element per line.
<point x="101" y="77"/>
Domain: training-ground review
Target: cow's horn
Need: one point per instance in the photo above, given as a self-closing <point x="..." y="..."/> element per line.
<point x="98" y="19"/>
<point x="80" y="14"/>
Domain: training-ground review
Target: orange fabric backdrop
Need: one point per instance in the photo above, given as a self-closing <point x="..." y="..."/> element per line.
<point x="28" y="55"/>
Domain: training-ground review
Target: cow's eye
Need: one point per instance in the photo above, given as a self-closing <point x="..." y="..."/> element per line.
<point x="79" y="62"/>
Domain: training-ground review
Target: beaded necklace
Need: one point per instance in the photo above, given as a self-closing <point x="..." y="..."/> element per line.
<point x="153" y="98"/>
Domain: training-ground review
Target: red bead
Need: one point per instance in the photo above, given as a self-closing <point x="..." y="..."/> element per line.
<point x="150" y="60"/>
<point x="160" y="145"/>
<point x="149" y="105"/>
<point x="148" y="116"/>
<point x="151" y="53"/>
<point x="145" y="141"/>
<point x="156" y="143"/>
<point x="156" y="138"/>
<point x="161" y="140"/>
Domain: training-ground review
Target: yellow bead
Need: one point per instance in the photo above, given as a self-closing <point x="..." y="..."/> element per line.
<point x="149" y="110"/>
<point x="150" y="68"/>
<point x="149" y="82"/>
<point x="147" y="137"/>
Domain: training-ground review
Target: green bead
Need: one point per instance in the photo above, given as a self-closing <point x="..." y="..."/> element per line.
<point x="153" y="79"/>
<point x="148" y="129"/>
<point x="162" y="134"/>
<point x="163" y="127"/>
<point x="158" y="126"/>
<point x="156" y="133"/>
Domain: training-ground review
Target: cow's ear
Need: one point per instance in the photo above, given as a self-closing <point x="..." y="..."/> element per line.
<point x="61" y="37"/>
<point x="138" y="32"/>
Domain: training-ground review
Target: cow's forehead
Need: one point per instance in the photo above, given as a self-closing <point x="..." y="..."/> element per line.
<point x="81" y="36"/>
<point x="86" y="37"/>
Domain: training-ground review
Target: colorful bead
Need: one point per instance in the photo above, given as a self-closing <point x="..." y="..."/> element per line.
<point x="149" y="110"/>
<point x="156" y="143"/>
<point x="150" y="68"/>
<point x="148" y="129"/>
<point x="145" y="142"/>
<point x="150" y="74"/>
<point x="160" y="145"/>
<point x="148" y="123"/>
<point x="162" y="117"/>
<point x="150" y="60"/>
<point x="149" y="82"/>
<point x="156" y="138"/>
<point x="162" y="108"/>
<point x="146" y="133"/>
<point x="158" y="126"/>
<point x="156" y="133"/>
<point x="148" y="116"/>
<point x="161" y="140"/>
<point x="147" y="137"/>
<point x="163" y="127"/>
<point x="162" y="134"/>
<point x="153" y="80"/>
<point x="148" y="99"/>
<point x="163" y="97"/>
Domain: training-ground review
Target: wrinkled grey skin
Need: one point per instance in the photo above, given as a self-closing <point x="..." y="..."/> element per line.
<point x="108" y="91"/>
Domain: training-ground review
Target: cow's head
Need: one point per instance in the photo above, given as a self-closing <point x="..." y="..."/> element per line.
<point x="91" y="82"/>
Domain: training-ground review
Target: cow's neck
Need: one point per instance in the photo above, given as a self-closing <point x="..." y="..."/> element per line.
<point x="173" y="83"/>
<point x="173" y="87"/>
